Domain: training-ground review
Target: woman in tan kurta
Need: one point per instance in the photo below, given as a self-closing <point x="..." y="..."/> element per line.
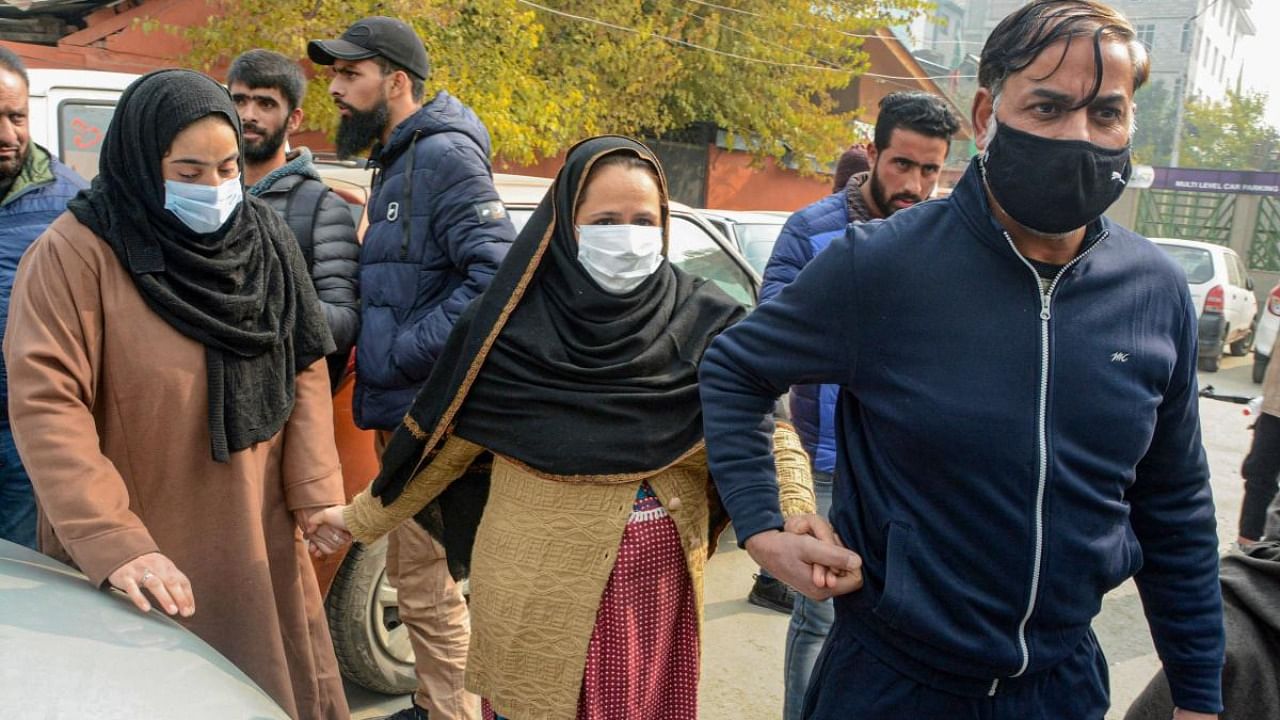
<point x="110" y="402"/>
<point x="577" y="371"/>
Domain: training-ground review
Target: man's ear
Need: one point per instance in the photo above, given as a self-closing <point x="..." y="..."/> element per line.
<point x="872" y="153"/>
<point x="294" y="121"/>
<point x="400" y="84"/>
<point x="982" y="115"/>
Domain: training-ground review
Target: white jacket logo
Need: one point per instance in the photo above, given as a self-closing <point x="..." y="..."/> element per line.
<point x="393" y="211"/>
<point x="1119" y="357"/>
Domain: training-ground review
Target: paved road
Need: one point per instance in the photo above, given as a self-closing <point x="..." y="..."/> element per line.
<point x="742" y="658"/>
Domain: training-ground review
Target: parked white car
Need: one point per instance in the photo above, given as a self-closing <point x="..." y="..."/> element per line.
<point x="1223" y="294"/>
<point x="70" y="111"/>
<point x="753" y="233"/>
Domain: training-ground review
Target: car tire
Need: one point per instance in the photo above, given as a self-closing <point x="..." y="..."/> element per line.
<point x="1241" y="347"/>
<point x="360" y="605"/>
<point x="1259" y="368"/>
<point x="1209" y="363"/>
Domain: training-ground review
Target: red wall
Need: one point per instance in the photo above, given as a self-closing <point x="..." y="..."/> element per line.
<point x="732" y="184"/>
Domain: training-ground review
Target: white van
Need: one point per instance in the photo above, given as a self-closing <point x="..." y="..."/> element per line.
<point x="70" y="111"/>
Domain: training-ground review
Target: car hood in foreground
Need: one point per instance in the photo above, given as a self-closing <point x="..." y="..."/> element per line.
<point x="70" y="650"/>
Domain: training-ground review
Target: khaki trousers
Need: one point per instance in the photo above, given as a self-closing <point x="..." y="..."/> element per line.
<point x="435" y="614"/>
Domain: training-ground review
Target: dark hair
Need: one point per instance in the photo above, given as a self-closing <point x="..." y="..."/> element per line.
<point x="1028" y="31"/>
<point x="10" y="61"/>
<point x="621" y="158"/>
<point x="263" y="69"/>
<point x="417" y="86"/>
<point x="915" y="111"/>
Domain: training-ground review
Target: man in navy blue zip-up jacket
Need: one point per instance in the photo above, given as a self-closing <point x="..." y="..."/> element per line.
<point x="34" y="190"/>
<point x="437" y="233"/>
<point x="1018" y="427"/>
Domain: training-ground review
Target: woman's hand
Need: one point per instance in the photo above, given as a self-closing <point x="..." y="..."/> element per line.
<point x="326" y="530"/>
<point x="160" y="578"/>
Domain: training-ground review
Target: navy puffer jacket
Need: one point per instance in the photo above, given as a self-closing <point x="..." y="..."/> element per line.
<point x="437" y="233"/>
<point x="37" y="197"/>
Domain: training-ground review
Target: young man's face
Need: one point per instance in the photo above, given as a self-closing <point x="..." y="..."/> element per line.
<point x="359" y="89"/>
<point x="265" y="119"/>
<point x="905" y="172"/>
<point x="15" y="133"/>
<point x="1039" y="99"/>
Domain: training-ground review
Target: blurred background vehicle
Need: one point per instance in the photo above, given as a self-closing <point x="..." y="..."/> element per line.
<point x="1223" y="295"/>
<point x="753" y="233"/>
<point x="1264" y="336"/>
<point x="70" y="650"/>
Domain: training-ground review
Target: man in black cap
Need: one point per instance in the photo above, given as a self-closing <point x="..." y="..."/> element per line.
<point x="437" y="233"/>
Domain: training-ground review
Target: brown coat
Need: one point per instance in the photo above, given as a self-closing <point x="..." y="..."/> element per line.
<point x="543" y="555"/>
<point x="108" y="405"/>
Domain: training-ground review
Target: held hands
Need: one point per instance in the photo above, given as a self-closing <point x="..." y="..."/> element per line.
<point x="325" y="531"/>
<point x="1180" y="714"/>
<point x="160" y="578"/>
<point x="809" y="557"/>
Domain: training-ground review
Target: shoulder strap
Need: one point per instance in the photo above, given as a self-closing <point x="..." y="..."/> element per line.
<point x="301" y="211"/>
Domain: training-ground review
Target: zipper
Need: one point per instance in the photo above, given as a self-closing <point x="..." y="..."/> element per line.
<point x="1042" y="440"/>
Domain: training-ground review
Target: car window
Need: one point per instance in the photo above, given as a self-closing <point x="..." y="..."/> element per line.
<point x="1233" y="271"/>
<point x="756" y="241"/>
<point x="693" y="250"/>
<point x="1197" y="263"/>
<point x="81" y="128"/>
<point x="1241" y="271"/>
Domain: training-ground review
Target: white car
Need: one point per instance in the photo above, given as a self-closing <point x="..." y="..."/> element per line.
<point x="1223" y="295"/>
<point x="752" y="232"/>
<point x="1264" y="336"/>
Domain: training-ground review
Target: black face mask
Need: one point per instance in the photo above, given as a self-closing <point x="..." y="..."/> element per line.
<point x="1053" y="186"/>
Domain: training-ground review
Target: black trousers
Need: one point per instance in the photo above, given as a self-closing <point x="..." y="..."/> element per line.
<point x="1260" y="471"/>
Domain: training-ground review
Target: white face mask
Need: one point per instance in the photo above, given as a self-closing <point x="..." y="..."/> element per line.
<point x="203" y="208"/>
<point x="619" y="257"/>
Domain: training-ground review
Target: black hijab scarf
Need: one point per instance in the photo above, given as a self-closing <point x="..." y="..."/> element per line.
<point x="242" y="291"/>
<point x="554" y="372"/>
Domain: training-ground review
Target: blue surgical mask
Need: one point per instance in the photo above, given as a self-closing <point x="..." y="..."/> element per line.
<point x="203" y="208"/>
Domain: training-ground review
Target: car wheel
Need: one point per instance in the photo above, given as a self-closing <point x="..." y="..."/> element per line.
<point x="1259" y="367"/>
<point x="1209" y="363"/>
<point x="371" y="644"/>
<point x="1241" y="347"/>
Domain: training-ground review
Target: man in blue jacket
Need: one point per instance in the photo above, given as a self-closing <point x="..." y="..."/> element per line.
<point x="912" y="137"/>
<point x="437" y="233"/>
<point x="1017" y="430"/>
<point x="34" y="189"/>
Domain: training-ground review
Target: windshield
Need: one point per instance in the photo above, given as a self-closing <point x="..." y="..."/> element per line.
<point x="756" y="241"/>
<point x="1197" y="263"/>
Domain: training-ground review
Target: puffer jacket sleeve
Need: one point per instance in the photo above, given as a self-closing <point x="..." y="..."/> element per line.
<point x="471" y="226"/>
<point x="791" y="253"/>
<point x="335" y="270"/>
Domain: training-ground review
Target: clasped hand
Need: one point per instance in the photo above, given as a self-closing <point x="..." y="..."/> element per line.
<point x="326" y="530"/>
<point x="809" y="556"/>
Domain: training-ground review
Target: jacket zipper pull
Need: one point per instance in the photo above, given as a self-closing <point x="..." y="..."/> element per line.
<point x="1044" y="306"/>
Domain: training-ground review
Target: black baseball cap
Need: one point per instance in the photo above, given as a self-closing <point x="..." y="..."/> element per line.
<point x="372" y="36"/>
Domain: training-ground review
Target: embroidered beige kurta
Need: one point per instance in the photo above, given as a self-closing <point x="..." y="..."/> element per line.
<point x="109" y="410"/>
<point x="543" y="554"/>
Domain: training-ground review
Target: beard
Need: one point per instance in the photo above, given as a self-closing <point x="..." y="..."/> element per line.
<point x="266" y="148"/>
<point x="885" y="204"/>
<point x="360" y="128"/>
<point x="10" y="169"/>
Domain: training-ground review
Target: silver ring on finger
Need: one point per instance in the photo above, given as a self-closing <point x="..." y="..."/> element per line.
<point x="146" y="575"/>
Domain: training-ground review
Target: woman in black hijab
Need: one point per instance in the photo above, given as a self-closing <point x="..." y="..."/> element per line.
<point x="168" y="391"/>
<point x="577" y="372"/>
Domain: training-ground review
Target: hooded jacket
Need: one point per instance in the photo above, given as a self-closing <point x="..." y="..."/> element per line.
<point x="332" y="250"/>
<point x="437" y="233"/>
<point x="37" y="197"/>
<point x="1005" y="455"/>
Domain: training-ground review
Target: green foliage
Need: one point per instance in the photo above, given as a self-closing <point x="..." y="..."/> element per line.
<point x="1153" y="141"/>
<point x="541" y="81"/>
<point x="1231" y="135"/>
